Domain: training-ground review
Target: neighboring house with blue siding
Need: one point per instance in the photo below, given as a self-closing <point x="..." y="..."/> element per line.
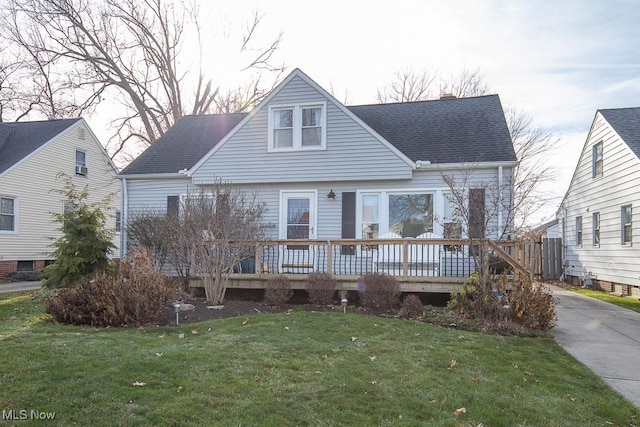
<point x="32" y="154"/>
<point x="352" y="170"/>
<point x="600" y="209"/>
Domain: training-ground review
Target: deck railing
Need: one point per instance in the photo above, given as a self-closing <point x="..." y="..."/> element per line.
<point x="408" y="259"/>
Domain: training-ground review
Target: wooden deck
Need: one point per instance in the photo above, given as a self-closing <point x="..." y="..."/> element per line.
<point x="420" y="265"/>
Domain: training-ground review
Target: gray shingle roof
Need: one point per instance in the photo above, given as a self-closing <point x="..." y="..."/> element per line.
<point x="440" y="131"/>
<point x="19" y="139"/>
<point x="626" y="122"/>
<point x="449" y="130"/>
<point x="184" y="144"/>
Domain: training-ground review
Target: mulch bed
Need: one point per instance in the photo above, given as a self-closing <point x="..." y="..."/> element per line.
<point x="236" y="304"/>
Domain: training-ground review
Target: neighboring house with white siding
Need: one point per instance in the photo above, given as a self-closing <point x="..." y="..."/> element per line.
<point x="601" y="235"/>
<point x="32" y="154"/>
<point x="355" y="172"/>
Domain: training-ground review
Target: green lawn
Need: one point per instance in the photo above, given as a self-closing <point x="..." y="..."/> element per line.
<point x="626" y="302"/>
<point x="299" y="368"/>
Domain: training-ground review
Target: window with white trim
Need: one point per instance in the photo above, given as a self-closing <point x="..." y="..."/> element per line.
<point x="7" y="214"/>
<point x="410" y="215"/>
<point x="596" y="229"/>
<point x="626" y="224"/>
<point x="370" y="216"/>
<point x="81" y="163"/>
<point x="297" y="127"/>
<point x="579" y="231"/>
<point x="597" y="155"/>
<point x="451" y="223"/>
<point x="118" y="221"/>
<point x="407" y="214"/>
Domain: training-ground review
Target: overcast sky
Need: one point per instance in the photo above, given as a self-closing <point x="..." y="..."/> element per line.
<point x="559" y="61"/>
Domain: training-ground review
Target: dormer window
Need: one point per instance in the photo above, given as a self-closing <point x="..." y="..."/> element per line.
<point x="297" y="127"/>
<point x="81" y="163"/>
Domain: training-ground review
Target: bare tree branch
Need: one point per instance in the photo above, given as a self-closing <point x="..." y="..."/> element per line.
<point x="135" y="48"/>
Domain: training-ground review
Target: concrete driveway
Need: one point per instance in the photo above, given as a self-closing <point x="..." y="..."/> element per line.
<point x="603" y="336"/>
<point x="19" y="286"/>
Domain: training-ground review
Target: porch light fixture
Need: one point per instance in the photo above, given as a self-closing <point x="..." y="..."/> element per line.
<point x="176" y="308"/>
<point x="344" y="302"/>
<point x="331" y="194"/>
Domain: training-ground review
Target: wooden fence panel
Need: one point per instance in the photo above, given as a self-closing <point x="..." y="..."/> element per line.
<point x="543" y="257"/>
<point x="551" y="258"/>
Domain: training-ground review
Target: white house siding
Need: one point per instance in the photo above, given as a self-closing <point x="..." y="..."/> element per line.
<point x="352" y="152"/>
<point x="611" y="261"/>
<point x="31" y="182"/>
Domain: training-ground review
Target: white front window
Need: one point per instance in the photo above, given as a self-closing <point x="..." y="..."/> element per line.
<point x="297" y="127"/>
<point x="407" y="214"/>
<point x="451" y="223"/>
<point x="370" y="216"/>
<point x="410" y="215"/>
<point x="7" y="214"/>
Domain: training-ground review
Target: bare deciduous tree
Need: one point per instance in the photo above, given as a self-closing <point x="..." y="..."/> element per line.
<point x="220" y="223"/>
<point x="163" y="235"/>
<point x="531" y="143"/>
<point x="134" y="51"/>
<point x="408" y="86"/>
<point x="465" y="84"/>
<point x="477" y="206"/>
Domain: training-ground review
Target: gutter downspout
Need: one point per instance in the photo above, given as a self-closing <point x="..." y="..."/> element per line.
<point x="124" y="219"/>
<point x="500" y="178"/>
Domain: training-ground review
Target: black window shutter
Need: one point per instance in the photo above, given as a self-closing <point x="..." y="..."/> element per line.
<point x="173" y="205"/>
<point x="348" y="221"/>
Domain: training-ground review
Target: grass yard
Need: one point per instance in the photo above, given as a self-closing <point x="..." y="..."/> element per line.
<point x="626" y="302"/>
<point x="299" y="368"/>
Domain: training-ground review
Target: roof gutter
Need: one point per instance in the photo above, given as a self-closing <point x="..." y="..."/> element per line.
<point x="171" y="175"/>
<point x="428" y="166"/>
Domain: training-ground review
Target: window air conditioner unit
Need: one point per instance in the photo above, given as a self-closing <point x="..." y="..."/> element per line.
<point x="81" y="170"/>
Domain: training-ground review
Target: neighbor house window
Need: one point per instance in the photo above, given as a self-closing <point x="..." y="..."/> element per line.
<point x="596" y="229"/>
<point x="81" y="162"/>
<point x="297" y="127"/>
<point x="118" y="221"/>
<point x="626" y="224"/>
<point x="579" y="231"/>
<point x="25" y="266"/>
<point x="67" y="211"/>
<point x="597" y="160"/>
<point x="7" y="214"/>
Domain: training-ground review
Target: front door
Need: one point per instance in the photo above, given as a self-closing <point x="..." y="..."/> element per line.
<point x="298" y="222"/>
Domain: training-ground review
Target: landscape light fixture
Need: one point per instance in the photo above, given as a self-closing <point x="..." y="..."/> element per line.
<point x="344" y="302"/>
<point x="176" y="308"/>
<point x="331" y="194"/>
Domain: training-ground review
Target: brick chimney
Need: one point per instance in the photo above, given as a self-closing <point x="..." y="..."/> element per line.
<point x="447" y="96"/>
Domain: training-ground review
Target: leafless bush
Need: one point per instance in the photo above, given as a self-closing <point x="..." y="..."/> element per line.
<point x="381" y="292"/>
<point x="412" y="307"/>
<point x="507" y="307"/>
<point x="278" y="291"/>
<point x="321" y="288"/>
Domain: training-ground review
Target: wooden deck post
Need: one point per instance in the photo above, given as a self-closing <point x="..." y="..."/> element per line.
<point x="258" y="260"/>
<point x="405" y="259"/>
<point x="330" y="257"/>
